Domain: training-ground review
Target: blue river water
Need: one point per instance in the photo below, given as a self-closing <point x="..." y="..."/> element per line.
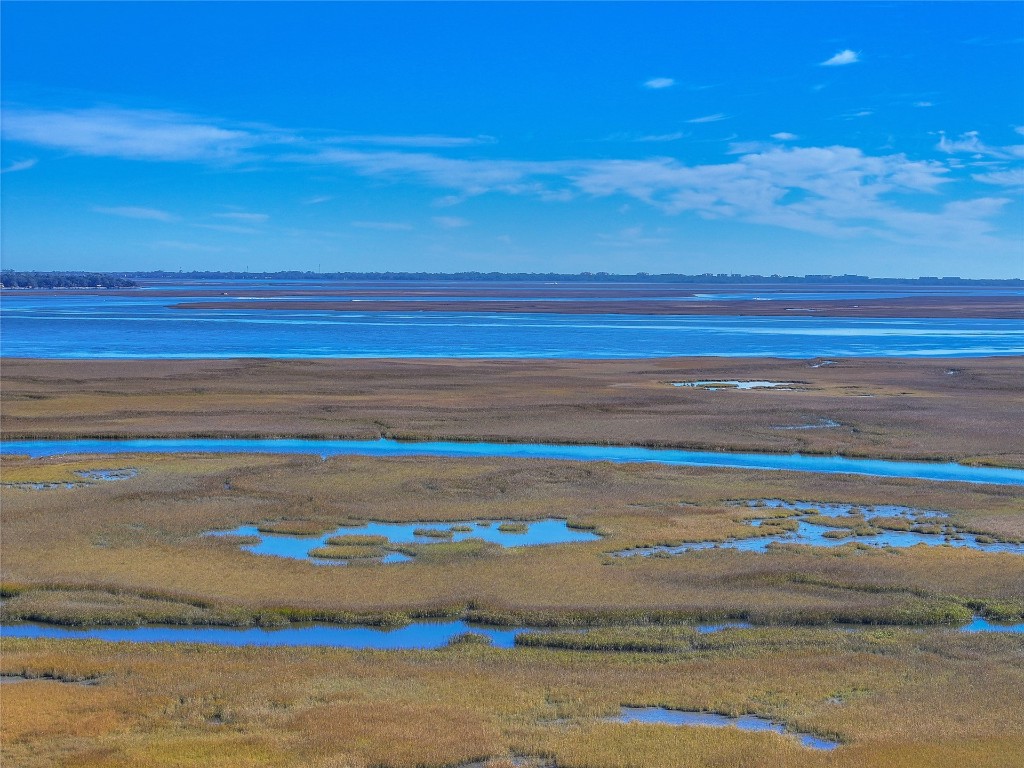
<point x="419" y="635"/>
<point x="140" y="325"/>
<point x="619" y="454"/>
<point x="422" y="635"/>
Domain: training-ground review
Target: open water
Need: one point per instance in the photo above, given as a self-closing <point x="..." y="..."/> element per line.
<point x="69" y="324"/>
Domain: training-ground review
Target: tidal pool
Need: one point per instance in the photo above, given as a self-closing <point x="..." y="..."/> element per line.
<point x="661" y="715"/>
<point x="536" y="533"/>
<point x="86" y="475"/>
<point x="833" y="525"/>
<point x="715" y="384"/>
<point x="796" y="462"/>
<point x="107" y="475"/>
<point x="979" y="624"/>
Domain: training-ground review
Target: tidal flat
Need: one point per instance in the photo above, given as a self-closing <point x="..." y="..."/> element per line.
<point x="540" y="647"/>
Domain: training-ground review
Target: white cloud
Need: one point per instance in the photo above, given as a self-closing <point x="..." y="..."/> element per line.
<point x="421" y="141"/>
<point x="709" y="118"/>
<point x="657" y="83"/>
<point x="470" y="177"/>
<point x="1019" y="129"/>
<point x="450" y="222"/>
<point x="133" y="212"/>
<point x="831" y="191"/>
<point x="384" y="226"/>
<point x="843" y="57"/>
<point x="131" y="134"/>
<point x="923" y="104"/>
<point x="20" y="165"/>
<point x="968" y="142"/>
<point x="971" y="143"/>
<point x="785" y="136"/>
<point x="249" y="218"/>
<point x="1009" y="178"/>
<point x="318" y="199"/>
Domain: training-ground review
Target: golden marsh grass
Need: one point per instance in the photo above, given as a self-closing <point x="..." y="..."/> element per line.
<point x="884" y="693"/>
<point x="140" y="542"/>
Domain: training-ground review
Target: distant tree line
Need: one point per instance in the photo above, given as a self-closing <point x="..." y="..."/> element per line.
<point x="582" y="277"/>
<point x="11" y="279"/>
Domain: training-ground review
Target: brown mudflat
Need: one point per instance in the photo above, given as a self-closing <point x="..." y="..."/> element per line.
<point x="955" y="409"/>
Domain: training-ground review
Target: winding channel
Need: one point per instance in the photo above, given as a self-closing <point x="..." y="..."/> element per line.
<point x="796" y="462"/>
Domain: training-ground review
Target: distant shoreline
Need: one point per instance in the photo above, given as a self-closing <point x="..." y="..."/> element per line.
<point x="498" y="278"/>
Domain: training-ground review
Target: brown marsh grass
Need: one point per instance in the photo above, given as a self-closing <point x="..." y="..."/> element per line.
<point x="884" y="693"/>
<point x="133" y="550"/>
<point x="956" y="409"/>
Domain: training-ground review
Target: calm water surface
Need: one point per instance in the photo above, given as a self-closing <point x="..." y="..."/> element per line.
<point x="979" y="624"/>
<point x="537" y="532"/>
<point x="70" y="325"/>
<point x="420" y="635"/>
<point x="621" y="454"/>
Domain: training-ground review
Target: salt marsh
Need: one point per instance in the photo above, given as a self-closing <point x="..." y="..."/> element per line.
<point x="833" y="525"/>
<point x="535" y="533"/>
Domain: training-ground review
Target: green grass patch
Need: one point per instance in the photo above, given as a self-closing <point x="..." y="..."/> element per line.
<point x="356" y="540"/>
<point x="513" y="527"/>
<point x="348" y="552"/>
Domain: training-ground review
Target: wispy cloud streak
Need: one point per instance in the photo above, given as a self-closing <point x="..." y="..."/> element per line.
<point x="833" y="191"/>
<point x="134" y="212"/>
<point x="20" y="165"/>
<point x="130" y="134"/>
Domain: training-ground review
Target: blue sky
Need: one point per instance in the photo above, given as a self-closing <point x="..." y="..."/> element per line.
<point x="871" y="138"/>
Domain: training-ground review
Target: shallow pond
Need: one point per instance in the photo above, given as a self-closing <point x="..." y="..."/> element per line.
<point x="661" y="715"/>
<point x="614" y="453"/>
<point x="299" y="547"/>
<point x="833" y="525"/>
<point x="86" y="475"/>
<point x="714" y="385"/>
<point x="107" y="475"/>
<point x="979" y="624"/>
